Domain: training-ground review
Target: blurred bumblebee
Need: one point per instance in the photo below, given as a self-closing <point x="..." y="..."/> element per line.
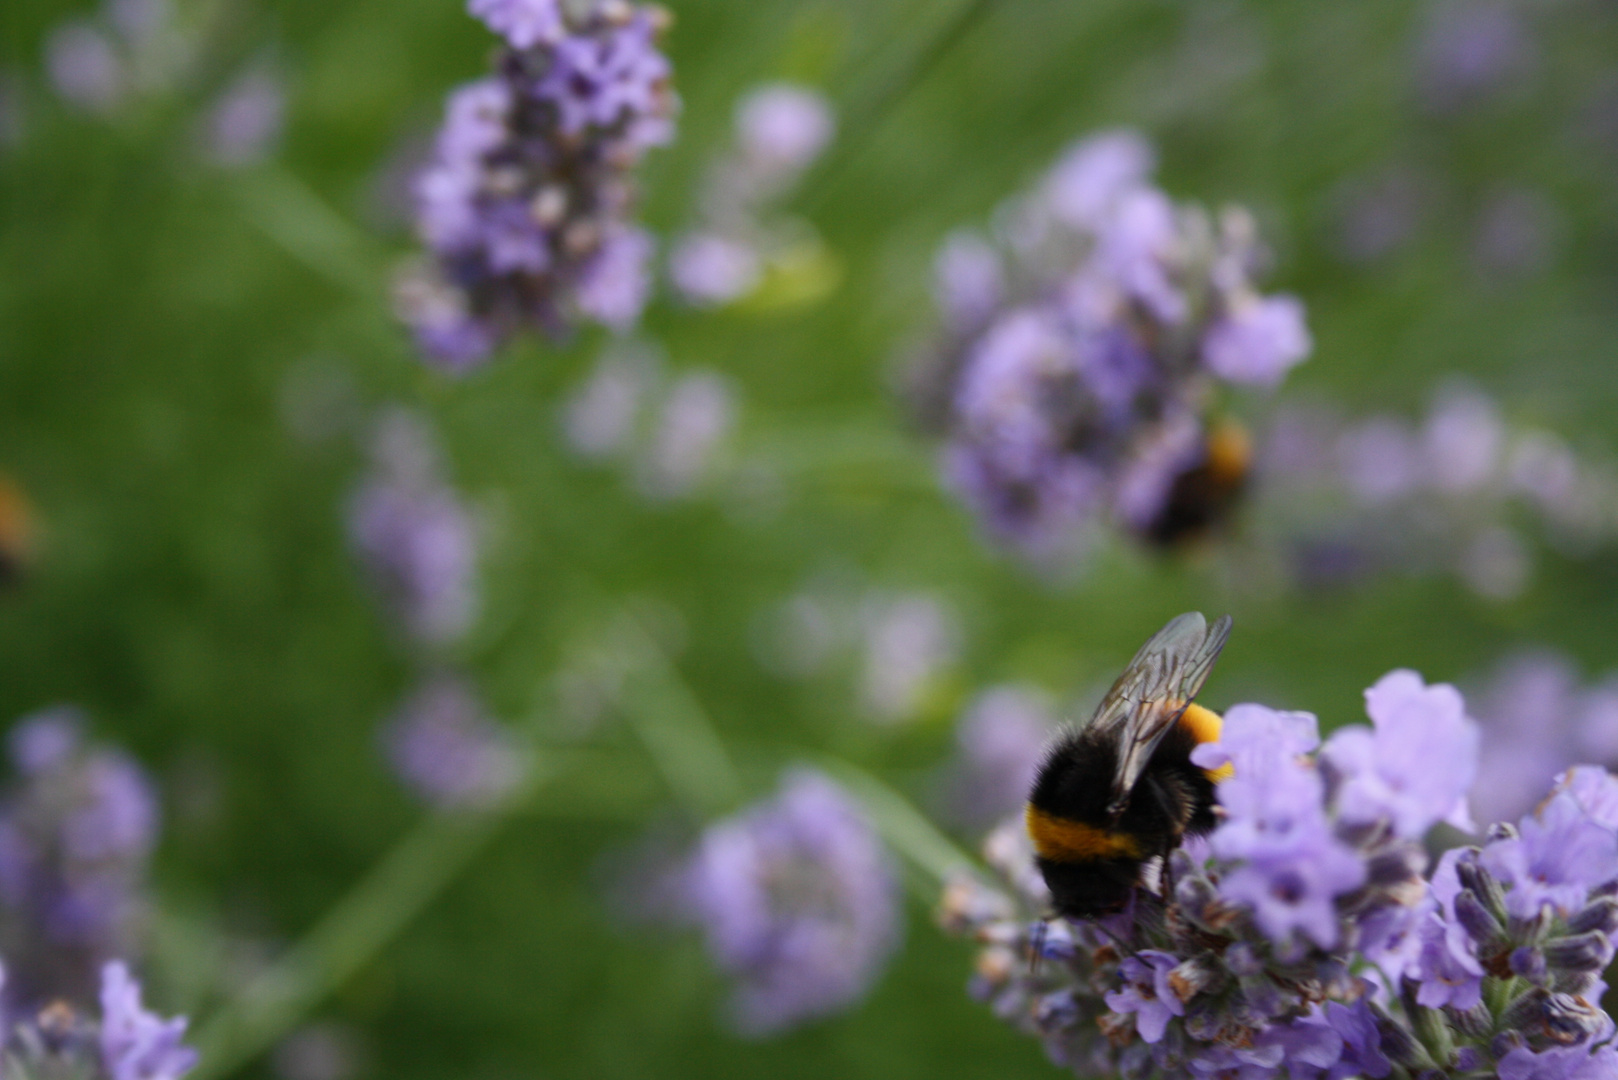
<point x="1122" y="790"/>
<point x="1204" y="495"/>
<point x="16" y="531"/>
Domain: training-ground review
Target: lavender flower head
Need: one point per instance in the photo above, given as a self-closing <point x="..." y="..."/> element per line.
<point x="799" y="904"/>
<point x="414" y="536"/>
<point x="524" y="208"/>
<point x="123" y="1042"/>
<point x="781" y="129"/>
<point x="447" y="750"/>
<point x="1081" y="345"/>
<point x="1001" y="739"/>
<point x="77" y="829"/>
<point x="1250" y="966"/>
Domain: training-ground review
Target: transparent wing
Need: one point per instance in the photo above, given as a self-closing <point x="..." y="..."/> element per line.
<point x="1147" y="699"/>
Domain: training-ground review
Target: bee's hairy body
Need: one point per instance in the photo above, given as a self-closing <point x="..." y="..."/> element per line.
<point x="1091" y="856"/>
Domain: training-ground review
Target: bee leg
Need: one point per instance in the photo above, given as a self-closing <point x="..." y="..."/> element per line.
<point x="1036" y="945"/>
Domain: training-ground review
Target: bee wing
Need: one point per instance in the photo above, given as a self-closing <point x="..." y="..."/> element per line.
<point x="1148" y="698"/>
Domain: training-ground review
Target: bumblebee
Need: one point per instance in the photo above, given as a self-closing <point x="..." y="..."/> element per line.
<point x="1122" y="790"/>
<point x="1204" y="496"/>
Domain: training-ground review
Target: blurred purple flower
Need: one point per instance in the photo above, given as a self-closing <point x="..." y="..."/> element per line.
<point x="525" y="205"/>
<point x="695" y="417"/>
<point x="710" y="268"/>
<point x="1000" y="740"/>
<point x="1446" y="964"/>
<point x="245" y="122"/>
<point x="601" y="417"/>
<point x="969" y="280"/>
<point x="414" y="535"/>
<point x="799" y="904"/>
<point x="1258" y="342"/>
<point x="1468" y="49"/>
<point x="447" y="751"/>
<point x="76" y="834"/>
<point x="1086" y="183"/>
<point x="136" y="1044"/>
<point x="1560" y="854"/>
<point x="909" y="639"/>
<point x="1415" y="766"/>
<point x="1147" y="992"/>
<point x="1560" y="1063"/>
<point x="85" y="68"/>
<point x="782" y="128"/>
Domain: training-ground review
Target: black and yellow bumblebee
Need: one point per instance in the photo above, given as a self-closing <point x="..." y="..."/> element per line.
<point x="1206" y="494"/>
<point x="1122" y="791"/>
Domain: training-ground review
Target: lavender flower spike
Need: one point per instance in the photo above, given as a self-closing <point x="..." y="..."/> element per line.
<point x="448" y="752"/>
<point x="1245" y="968"/>
<point x="525" y="206"/>
<point x="136" y="1044"/>
<point x="799" y="903"/>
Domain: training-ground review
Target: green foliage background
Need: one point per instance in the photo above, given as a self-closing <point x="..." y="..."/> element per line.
<point x="195" y="595"/>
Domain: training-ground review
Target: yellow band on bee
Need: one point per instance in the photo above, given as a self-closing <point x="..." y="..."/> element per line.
<point x="1062" y="840"/>
<point x="1205" y="726"/>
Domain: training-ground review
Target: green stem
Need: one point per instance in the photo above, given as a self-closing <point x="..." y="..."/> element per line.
<point x="675" y="729"/>
<point x="384" y="902"/>
<point x="296" y="219"/>
<point x="905" y="828"/>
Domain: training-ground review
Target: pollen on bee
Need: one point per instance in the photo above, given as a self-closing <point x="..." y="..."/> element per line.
<point x="1205" y="726"/>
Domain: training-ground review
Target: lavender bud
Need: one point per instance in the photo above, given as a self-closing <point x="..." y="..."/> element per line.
<point x="1198" y="975"/>
<point x="1530" y="930"/>
<point x="1056" y="1012"/>
<point x="1529" y="963"/>
<point x="1505" y="1042"/>
<point x="1525" y="1010"/>
<point x="1579" y="983"/>
<point x="1479" y="923"/>
<point x="1469" y="1059"/>
<point x="1580" y="952"/>
<point x="1431" y="1074"/>
<point x="1600" y="915"/>
<point x="1474" y="1023"/>
<point x="1569" y="1020"/>
<point x="1243" y="960"/>
<point x="1605" y="889"/>
<point x="1478" y="881"/>
<point x="1500" y="830"/>
<point x="1396" y="866"/>
<point x="1399" y="1043"/>
<point x="1203" y="1019"/>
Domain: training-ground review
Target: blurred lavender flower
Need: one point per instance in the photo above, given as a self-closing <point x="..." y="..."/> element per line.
<point x="125" y="1042"/>
<point x="1080" y="349"/>
<point x="245" y="122"/>
<point x="448" y="751"/>
<point x="780" y="131"/>
<point x="131" y="48"/>
<point x="799" y="904"/>
<point x="1000" y="740"/>
<point x="525" y="206"/>
<point x="76" y="834"/>
<point x="1246" y="969"/>
<point x="414" y="535"/>
<point x="668" y="431"/>
<point x="136" y="1044"/>
<point x="1537" y="721"/>
<point x="909" y="639"/>
<point x="1469" y="49"/>
<point x="1448" y="493"/>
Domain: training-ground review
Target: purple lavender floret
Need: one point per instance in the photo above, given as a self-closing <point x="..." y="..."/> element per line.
<point x="448" y="751"/>
<point x="414" y="536"/>
<point x="76" y="833"/>
<point x="799" y="904"/>
<point x="1490" y="966"/>
<point x="1073" y="376"/>
<point x="1415" y="766"/>
<point x="525" y="206"/>
<point x="136" y="1044"/>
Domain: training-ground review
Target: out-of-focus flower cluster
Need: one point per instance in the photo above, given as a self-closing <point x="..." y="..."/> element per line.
<point x="1537" y="721"/>
<point x="667" y="430"/>
<point x="781" y="129"/>
<point x="1449" y="493"/>
<point x="524" y="207"/>
<point x="77" y="827"/>
<point x="902" y="644"/>
<point x="131" y="48"/>
<point x="798" y="902"/>
<point x="1304" y="936"/>
<point x="1081" y="348"/>
<point x="123" y="1042"/>
<point x="418" y="542"/>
